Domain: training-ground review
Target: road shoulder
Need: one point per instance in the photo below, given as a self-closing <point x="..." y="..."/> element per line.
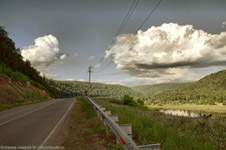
<point x="85" y="131"/>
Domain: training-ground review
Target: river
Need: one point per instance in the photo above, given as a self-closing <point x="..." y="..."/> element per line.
<point x="192" y="114"/>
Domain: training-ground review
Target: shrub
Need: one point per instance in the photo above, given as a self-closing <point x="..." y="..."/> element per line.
<point x="116" y="101"/>
<point x="140" y="102"/>
<point x="127" y="100"/>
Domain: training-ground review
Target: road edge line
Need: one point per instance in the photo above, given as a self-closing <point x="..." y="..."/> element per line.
<point x="57" y="125"/>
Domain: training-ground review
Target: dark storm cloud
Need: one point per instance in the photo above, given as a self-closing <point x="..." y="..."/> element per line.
<point x="190" y="64"/>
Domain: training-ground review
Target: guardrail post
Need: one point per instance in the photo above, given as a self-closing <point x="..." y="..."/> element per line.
<point x="101" y="116"/>
<point x="10" y="81"/>
<point x="150" y="147"/>
<point x="94" y="108"/>
<point x="121" y="135"/>
<point x="28" y="84"/>
<point x="127" y="128"/>
<point x="114" y="118"/>
<point x="102" y="108"/>
<point x="108" y="112"/>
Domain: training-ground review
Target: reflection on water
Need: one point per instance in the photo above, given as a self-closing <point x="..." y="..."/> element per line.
<point x="194" y="114"/>
<point x="184" y="113"/>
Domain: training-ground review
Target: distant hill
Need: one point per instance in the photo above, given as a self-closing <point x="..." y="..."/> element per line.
<point x="159" y="88"/>
<point x="211" y="88"/>
<point x="213" y="83"/>
<point x="72" y="88"/>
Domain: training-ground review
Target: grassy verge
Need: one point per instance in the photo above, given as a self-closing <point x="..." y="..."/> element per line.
<point x="85" y="131"/>
<point x="206" y="108"/>
<point x="173" y="133"/>
<point x="21" y="103"/>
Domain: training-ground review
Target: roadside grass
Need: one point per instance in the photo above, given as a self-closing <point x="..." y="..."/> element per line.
<point x="193" y="107"/>
<point x="85" y="131"/>
<point x="172" y="132"/>
<point x="20" y="103"/>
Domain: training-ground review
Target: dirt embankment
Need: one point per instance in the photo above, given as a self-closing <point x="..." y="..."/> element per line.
<point x="13" y="91"/>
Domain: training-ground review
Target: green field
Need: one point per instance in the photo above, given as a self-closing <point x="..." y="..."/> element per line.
<point x="193" y="107"/>
<point x="172" y="132"/>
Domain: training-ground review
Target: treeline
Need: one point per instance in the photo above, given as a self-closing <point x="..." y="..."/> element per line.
<point x="207" y="90"/>
<point x="11" y="57"/>
<point x="160" y="88"/>
<point x="76" y="88"/>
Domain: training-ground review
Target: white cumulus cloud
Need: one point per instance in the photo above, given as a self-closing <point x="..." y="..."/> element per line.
<point x="223" y="24"/>
<point x="82" y="80"/>
<point x="50" y="76"/>
<point x="43" y="53"/>
<point x="91" y="58"/>
<point x="70" y="79"/>
<point x="95" y="66"/>
<point x="63" y="56"/>
<point x="169" y="52"/>
<point x="74" y="55"/>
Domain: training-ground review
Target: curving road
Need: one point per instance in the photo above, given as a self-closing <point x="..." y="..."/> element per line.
<point x="33" y="124"/>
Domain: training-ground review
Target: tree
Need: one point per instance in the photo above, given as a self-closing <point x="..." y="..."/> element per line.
<point x="11" y="57"/>
<point x="140" y="102"/>
<point x="127" y="100"/>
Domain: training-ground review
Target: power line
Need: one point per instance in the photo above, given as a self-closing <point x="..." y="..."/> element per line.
<point x="105" y="66"/>
<point x="156" y="6"/>
<point x="153" y="10"/>
<point x="124" y="22"/>
<point x="130" y="12"/>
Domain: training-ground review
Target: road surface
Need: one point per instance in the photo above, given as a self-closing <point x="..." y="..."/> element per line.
<point x="32" y="124"/>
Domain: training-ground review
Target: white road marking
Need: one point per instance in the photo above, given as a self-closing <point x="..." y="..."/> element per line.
<point x="17" y="110"/>
<point x="54" y="129"/>
<point x="25" y="114"/>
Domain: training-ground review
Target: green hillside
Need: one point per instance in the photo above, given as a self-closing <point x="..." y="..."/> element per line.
<point x="159" y="88"/>
<point x="72" y="88"/>
<point x="213" y="83"/>
<point x="15" y="73"/>
<point x="16" y="88"/>
<point x="209" y="89"/>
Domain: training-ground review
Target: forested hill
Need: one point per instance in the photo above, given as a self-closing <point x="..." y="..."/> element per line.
<point x="211" y="88"/>
<point x="13" y="67"/>
<point x="159" y="88"/>
<point x="211" y="85"/>
<point x="72" y="88"/>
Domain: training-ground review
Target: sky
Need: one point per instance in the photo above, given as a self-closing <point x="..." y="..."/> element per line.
<point x="181" y="42"/>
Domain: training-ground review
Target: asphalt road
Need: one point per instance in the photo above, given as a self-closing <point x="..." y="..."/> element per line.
<point x="33" y="124"/>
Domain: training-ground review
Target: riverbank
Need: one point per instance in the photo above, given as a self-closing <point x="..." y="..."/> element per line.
<point x="191" y="107"/>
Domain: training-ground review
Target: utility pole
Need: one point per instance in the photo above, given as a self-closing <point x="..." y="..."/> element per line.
<point x="90" y="71"/>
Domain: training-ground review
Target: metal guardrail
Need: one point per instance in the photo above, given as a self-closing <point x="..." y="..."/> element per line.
<point x="124" y="139"/>
<point x="121" y="136"/>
